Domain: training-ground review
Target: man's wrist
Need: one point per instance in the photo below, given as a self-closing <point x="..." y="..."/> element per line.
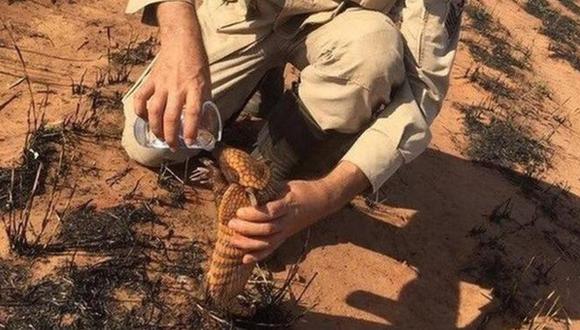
<point x="172" y="5"/>
<point x="176" y="19"/>
<point x="343" y="183"/>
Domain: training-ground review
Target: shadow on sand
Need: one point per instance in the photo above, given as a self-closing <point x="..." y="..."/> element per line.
<point x="455" y="236"/>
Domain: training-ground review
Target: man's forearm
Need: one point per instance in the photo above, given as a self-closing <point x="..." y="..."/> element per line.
<point x="179" y="82"/>
<point x="343" y="183"/>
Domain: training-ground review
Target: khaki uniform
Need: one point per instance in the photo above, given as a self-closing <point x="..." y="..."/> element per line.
<point x="380" y="67"/>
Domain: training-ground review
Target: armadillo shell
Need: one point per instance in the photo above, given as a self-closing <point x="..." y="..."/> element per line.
<point x="238" y="166"/>
<point x="227" y="275"/>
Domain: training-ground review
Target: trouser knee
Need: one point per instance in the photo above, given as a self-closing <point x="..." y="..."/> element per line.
<point x="355" y="62"/>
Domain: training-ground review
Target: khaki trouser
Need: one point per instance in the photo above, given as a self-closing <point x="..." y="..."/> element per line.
<point x="349" y="66"/>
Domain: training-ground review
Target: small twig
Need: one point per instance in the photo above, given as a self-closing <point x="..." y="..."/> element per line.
<point x="132" y="192"/>
<point x="24" y="69"/>
<point x="185" y="170"/>
<point x="108" y="28"/>
<point x="86" y="42"/>
<point x="306" y="288"/>
<point x="113" y="180"/>
<point x="213" y="315"/>
<point x="53" y="56"/>
<point x="10" y="192"/>
<point x="17" y="82"/>
<point x="27" y="212"/>
<point x="70" y="197"/>
<point x="10" y="99"/>
<point x="49" y="209"/>
<point x="167" y="169"/>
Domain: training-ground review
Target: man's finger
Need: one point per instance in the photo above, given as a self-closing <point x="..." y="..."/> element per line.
<point x="141" y="97"/>
<point x="268" y="212"/>
<point x="191" y="116"/>
<point x="247" y="228"/>
<point x="250" y="244"/>
<point x="155" y="109"/>
<point x="172" y="119"/>
<point x="256" y="256"/>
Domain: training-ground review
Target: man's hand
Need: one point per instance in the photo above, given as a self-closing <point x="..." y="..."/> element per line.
<point x="179" y="80"/>
<point x="261" y="230"/>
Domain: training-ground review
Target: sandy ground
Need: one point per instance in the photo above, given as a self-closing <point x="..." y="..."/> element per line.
<point x="425" y="257"/>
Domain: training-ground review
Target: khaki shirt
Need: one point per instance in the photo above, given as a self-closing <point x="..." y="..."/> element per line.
<point x="430" y="29"/>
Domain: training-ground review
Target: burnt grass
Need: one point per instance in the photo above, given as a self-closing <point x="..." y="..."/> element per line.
<point x="571" y="4"/>
<point x="133" y="277"/>
<point x="563" y="31"/>
<point x="500" y="56"/>
<point x="134" y="53"/>
<point x="137" y="280"/>
<point x="106" y="100"/>
<point x="81" y="298"/>
<point x="520" y="285"/>
<point x="16" y="183"/>
<point x="168" y="181"/>
<point x="492" y="267"/>
<point x="503" y="142"/>
<point x="84" y="297"/>
<point x="495" y="49"/>
<point x="495" y="85"/>
<point x="131" y="288"/>
<point x="120" y="292"/>
<point x="499" y="130"/>
<point x="103" y="231"/>
<point x="88" y="298"/>
<point x="502" y="134"/>
<point x="481" y="19"/>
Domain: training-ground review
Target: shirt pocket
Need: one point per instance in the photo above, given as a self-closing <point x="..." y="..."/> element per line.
<point x="230" y="15"/>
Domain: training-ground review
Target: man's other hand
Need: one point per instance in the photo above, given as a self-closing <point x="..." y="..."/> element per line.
<point x="261" y="230"/>
<point x="179" y="81"/>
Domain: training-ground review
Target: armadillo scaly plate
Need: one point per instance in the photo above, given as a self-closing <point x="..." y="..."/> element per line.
<point x="236" y="182"/>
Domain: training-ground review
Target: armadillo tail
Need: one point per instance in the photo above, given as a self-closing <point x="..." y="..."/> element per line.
<point x="227" y="275"/>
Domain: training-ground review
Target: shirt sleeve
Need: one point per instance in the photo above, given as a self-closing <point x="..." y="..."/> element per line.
<point x="148" y="7"/>
<point x="430" y="29"/>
